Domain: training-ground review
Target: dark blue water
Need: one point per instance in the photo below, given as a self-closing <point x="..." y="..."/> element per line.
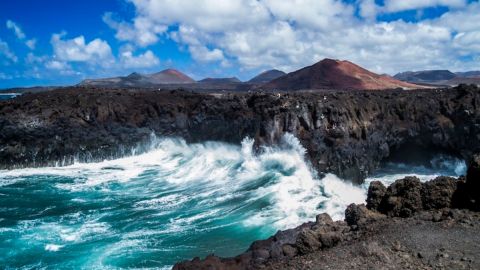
<point x="7" y="96"/>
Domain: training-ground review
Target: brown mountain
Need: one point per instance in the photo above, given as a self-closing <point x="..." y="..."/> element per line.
<point x="335" y="74"/>
<point x="167" y="76"/>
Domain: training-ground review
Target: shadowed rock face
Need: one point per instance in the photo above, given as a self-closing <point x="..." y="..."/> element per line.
<point x="345" y="132"/>
<point x="399" y="225"/>
<point x="267" y="76"/>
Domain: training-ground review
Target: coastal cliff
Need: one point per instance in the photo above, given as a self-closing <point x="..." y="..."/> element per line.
<point x="345" y="132"/>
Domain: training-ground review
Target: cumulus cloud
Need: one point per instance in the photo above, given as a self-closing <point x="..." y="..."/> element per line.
<point x="143" y="31"/>
<point x="6" y="52"/>
<point x="96" y="51"/>
<point x="145" y="60"/>
<point x="289" y="34"/>
<point x="56" y="65"/>
<point x="401" y="5"/>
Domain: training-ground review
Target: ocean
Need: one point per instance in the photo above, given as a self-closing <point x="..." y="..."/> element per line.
<point x="172" y="203"/>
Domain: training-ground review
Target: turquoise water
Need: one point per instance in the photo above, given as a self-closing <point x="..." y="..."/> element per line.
<point x="175" y="202"/>
<point x="172" y="203"/>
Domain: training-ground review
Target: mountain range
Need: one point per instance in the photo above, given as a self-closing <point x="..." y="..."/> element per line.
<point x="439" y="77"/>
<point x="326" y="74"/>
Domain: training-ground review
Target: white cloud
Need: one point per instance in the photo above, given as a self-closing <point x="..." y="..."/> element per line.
<point x="145" y="60"/>
<point x="203" y="54"/>
<point x="16" y="29"/>
<point x="368" y="9"/>
<point x="401" y="5"/>
<point x="6" y="52"/>
<point x="31" y="43"/>
<point x="96" y="51"/>
<point x="290" y="34"/>
<point x="143" y="31"/>
<point x="57" y="65"/>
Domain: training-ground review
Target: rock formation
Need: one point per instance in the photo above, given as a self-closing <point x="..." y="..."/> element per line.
<point x="344" y="132"/>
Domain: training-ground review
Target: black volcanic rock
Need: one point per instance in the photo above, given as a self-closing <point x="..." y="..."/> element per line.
<point x="267" y="76"/>
<point x="231" y="80"/>
<point x="425" y="76"/>
<point x="345" y="132"/>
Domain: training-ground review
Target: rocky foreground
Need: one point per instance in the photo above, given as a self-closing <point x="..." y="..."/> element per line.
<point x="409" y="225"/>
<point x="345" y="132"/>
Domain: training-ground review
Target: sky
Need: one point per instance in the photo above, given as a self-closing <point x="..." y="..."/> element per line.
<point x="58" y="42"/>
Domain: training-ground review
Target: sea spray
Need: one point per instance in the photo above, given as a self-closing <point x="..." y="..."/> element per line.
<point x="166" y="202"/>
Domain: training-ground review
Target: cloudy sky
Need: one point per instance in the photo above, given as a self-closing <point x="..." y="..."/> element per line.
<point x="62" y="42"/>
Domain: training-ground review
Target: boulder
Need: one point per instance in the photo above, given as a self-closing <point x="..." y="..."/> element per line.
<point x="403" y="198"/>
<point x="359" y="215"/>
<point x="376" y="191"/>
<point x="438" y="193"/>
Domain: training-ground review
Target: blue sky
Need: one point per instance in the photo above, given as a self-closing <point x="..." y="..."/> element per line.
<point x="62" y="42"/>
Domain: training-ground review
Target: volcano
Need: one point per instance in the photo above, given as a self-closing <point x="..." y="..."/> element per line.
<point x="336" y="74"/>
<point x="267" y="76"/>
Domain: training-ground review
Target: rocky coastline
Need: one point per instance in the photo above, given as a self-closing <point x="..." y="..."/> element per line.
<point x="408" y="225"/>
<point x="348" y="133"/>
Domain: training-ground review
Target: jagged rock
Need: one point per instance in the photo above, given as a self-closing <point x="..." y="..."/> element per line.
<point x="359" y="215"/>
<point x="307" y="242"/>
<point x="323" y="219"/>
<point x="403" y="198"/>
<point x="473" y="181"/>
<point x="375" y="194"/>
<point x="346" y="133"/>
<point x="438" y="193"/>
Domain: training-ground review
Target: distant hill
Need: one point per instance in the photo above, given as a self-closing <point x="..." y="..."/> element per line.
<point x="468" y="74"/>
<point x="220" y="80"/>
<point x="267" y="76"/>
<point x="440" y="77"/>
<point x="335" y="74"/>
<point x="425" y="76"/>
<point x="460" y="80"/>
<point x="167" y="76"/>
